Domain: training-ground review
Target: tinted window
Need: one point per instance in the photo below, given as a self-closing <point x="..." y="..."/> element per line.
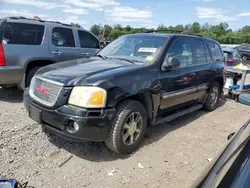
<point x="2" y="28"/>
<point x="236" y="54"/>
<point x="87" y="40"/>
<point x="26" y="34"/>
<point x="215" y="51"/>
<point x="182" y="49"/>
<point x="200" y="51"/>
<point x="228" y="55"/>
<point x="247" y="47"/>
<point x="208" y="53"/>
<point x="63" y="37"/>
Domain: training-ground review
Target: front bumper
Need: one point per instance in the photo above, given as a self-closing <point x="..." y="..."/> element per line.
<point x="93" y="125"/>
<point x="11" y="75"/>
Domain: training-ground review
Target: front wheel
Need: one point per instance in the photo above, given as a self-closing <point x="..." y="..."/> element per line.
<point x="213" y="97"/>
<point x="128" y="128"/>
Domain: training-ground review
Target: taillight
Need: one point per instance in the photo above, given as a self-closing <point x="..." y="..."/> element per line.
<point x="231" y="60"/>
<point x="2" y="59"/>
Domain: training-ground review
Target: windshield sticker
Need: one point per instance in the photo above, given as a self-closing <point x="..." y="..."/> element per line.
<point x="150" y="58"/>
<point x="151" y="50"/>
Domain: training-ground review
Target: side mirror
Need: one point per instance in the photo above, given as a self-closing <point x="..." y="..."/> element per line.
<point x="230" y="136"/>
<point x="172" y="62"/>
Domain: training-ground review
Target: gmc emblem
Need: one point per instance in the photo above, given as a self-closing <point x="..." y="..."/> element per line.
<point x="42" y="89"/>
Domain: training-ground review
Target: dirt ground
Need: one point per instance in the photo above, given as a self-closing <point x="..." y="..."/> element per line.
<point x="172" y="155"/>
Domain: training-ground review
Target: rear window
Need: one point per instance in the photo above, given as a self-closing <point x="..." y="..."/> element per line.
<point x="2" y="27"/>
<point x="23" y="34"/>
<point x="228" y="55"/>
<point x="215" y="51"/>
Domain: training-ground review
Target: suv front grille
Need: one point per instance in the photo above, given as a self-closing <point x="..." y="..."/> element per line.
<point x="45" y="91"/>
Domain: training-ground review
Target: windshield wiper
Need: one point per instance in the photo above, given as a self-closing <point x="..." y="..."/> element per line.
<point x="101" y="56"/>
<point x="124" y="59"/>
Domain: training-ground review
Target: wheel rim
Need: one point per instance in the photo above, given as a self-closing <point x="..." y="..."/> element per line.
<point x="214" y="96"/>
<point x="132" y="128"/>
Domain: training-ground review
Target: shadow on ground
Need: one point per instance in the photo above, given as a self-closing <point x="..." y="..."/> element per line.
<point x="98" y="152"/>
<point x="12" y="95"/>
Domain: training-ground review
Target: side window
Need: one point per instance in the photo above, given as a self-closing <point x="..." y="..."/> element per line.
<point x="215" y="51"/>
<point x="63" y="37"/>
<point x="23" y="34"/>
<point x="87" y="40"/>
<point x="208" y="53"/>
<point x="237" y="54"/>
<point x="181" y="48"/>
<point x="199" y="48"/>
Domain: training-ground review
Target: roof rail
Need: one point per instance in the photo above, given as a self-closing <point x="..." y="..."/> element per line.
<point x="188" y="33"/>
<point x="160" y="30"/>
<point x="21" y="17"/>
<point x="174" y="31"/>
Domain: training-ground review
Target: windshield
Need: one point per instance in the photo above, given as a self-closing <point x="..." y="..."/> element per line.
<point x="137" y="48"/>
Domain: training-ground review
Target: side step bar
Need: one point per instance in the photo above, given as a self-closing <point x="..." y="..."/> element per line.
<point x="177" y="114"/>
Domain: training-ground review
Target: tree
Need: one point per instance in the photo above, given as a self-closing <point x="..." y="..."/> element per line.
<point x="219" y="32"/>
<point x="196" y="28"/>
<point x="96" y="29"/>
<point x="118" y="27"/>
<point x="76" y="25"/>
<point x="128" y="28"/>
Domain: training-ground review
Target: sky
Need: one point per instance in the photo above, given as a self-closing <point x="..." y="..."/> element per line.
<point x="140" y="13"/>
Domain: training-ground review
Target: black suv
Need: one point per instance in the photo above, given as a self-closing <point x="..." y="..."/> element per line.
<point x="136" y="81"/>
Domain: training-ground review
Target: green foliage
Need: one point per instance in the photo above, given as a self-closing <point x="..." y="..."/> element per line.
<point x="220" y="32"/>
<point x="76" y="25"/>
<point x="96" y="29"/>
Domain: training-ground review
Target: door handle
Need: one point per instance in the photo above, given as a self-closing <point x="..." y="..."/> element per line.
<point x="85" y="53"/>
<point x="213" y="70"/>
<point x="57" y="52"/>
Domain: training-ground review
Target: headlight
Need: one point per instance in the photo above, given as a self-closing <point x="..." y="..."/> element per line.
<point x="88" y="97"/>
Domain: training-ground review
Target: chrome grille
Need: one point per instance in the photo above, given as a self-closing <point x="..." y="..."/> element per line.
<point x="45" y="91"/>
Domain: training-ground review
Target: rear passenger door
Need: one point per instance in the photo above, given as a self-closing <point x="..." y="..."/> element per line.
<point x="202" y="66"/>
<point x="89" y="44"/>
<point x="218" y="59"/>
<point x="63" y="45"/>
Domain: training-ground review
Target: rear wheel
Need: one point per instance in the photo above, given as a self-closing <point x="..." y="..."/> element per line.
<point x="213" y="97"/>
<point x="128" y="128"/>
<point x="29" y="75"/>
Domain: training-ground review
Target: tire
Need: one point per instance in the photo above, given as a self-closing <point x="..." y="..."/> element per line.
<point x="119" y="130"/>
<point x="30" y="74"/>
<point x="212" y="100"/>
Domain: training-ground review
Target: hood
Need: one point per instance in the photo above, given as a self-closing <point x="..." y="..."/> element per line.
<point x="74" y="72"/>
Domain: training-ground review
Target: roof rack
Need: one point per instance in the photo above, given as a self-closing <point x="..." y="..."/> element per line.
<point x="189" y="33"/>
<point x="175" y="31"/>
<point x="160" y="30"/>
<point x="21" y="17"/>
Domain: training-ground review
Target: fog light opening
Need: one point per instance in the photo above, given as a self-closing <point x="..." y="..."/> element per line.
<point x="72" y="127"/>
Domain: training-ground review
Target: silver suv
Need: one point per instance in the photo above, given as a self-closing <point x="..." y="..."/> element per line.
<point x="29" y="44"/>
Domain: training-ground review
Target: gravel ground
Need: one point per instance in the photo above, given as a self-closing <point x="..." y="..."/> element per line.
<point x="172" y="155"/>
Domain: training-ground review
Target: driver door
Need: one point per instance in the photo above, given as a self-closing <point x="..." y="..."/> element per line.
<point x="179" y="84"/>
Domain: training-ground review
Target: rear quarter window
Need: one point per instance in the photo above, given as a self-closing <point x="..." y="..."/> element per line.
<point x="228" y="55"/>
<point x="23" y="34"/>
<point x="215" y="51"/>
